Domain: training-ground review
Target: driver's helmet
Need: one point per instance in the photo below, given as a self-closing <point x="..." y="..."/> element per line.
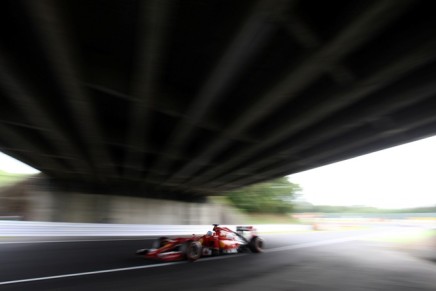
<point x="209" y="233"/>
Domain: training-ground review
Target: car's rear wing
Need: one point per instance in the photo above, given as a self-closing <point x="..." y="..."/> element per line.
<point x="243" y="230"/>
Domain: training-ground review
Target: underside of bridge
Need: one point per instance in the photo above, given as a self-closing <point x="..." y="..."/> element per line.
<point x="182" y="98"/>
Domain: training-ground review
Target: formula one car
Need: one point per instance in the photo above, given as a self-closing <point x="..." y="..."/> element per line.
<point x="220" y="241"/>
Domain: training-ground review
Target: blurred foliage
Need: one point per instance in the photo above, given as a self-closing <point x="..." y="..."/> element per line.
<point x="275" y="196"/>
<point x="7" y="179"/>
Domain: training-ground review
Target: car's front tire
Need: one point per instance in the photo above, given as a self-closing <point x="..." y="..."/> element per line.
<point x="192" y="250"/>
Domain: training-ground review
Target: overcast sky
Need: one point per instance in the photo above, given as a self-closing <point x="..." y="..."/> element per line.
<point x="10" y="165"/>
<point x="399" y="177"/>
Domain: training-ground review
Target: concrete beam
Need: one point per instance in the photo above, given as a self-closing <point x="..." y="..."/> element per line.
<point x="365" y="27"/>
<point x="250" y="38"/>
<point x="152" y="31"/>
<point x="377" y="81"/>
<point x="59" y="46"/>
<point x="18" y="92"/>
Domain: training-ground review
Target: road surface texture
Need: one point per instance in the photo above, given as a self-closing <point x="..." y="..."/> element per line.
<point x="348" y="260"/>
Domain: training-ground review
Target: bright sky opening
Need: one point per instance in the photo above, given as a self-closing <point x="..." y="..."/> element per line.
<point x="11" y="165"/>
<point x="399" y="177"/>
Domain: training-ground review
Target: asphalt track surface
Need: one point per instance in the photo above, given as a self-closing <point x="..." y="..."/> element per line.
<point x="310" y="261"/>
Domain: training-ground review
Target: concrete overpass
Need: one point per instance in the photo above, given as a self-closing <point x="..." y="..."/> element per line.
<point x="180" y="99"/>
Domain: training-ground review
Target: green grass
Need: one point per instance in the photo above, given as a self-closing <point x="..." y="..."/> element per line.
<point x="407" y="237"/>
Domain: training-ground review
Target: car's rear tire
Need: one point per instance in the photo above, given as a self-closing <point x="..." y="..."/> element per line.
<point x="192" y="250"/>
<point x="256" y="244"/>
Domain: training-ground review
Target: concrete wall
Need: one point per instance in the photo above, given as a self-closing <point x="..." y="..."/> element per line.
<point x="42" y="204"/>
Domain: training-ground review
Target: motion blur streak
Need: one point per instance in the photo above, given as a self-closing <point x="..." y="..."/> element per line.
<point x="90" y="273"/>
<point x="320" y="243"/>
<point x="284" y="248"/>
<point x="298" y="246"/>
<point x="381" y="257"/>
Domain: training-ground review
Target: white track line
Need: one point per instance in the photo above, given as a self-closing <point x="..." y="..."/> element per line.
<point x="90" y="273"/>
<point x="279" y="249"/>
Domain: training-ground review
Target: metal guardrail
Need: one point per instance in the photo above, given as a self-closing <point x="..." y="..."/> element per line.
<point x="52" y="229"/>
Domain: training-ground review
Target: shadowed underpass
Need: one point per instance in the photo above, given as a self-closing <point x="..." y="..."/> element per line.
<point x="182" y="99"/>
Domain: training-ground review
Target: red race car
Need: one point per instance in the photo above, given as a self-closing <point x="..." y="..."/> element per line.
<point x="220" y="241"/>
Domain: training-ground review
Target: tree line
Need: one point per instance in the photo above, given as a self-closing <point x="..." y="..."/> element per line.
<point x="274" y="196"/>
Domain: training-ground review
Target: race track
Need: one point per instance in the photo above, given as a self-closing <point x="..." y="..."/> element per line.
<point x="306" y="261"/>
